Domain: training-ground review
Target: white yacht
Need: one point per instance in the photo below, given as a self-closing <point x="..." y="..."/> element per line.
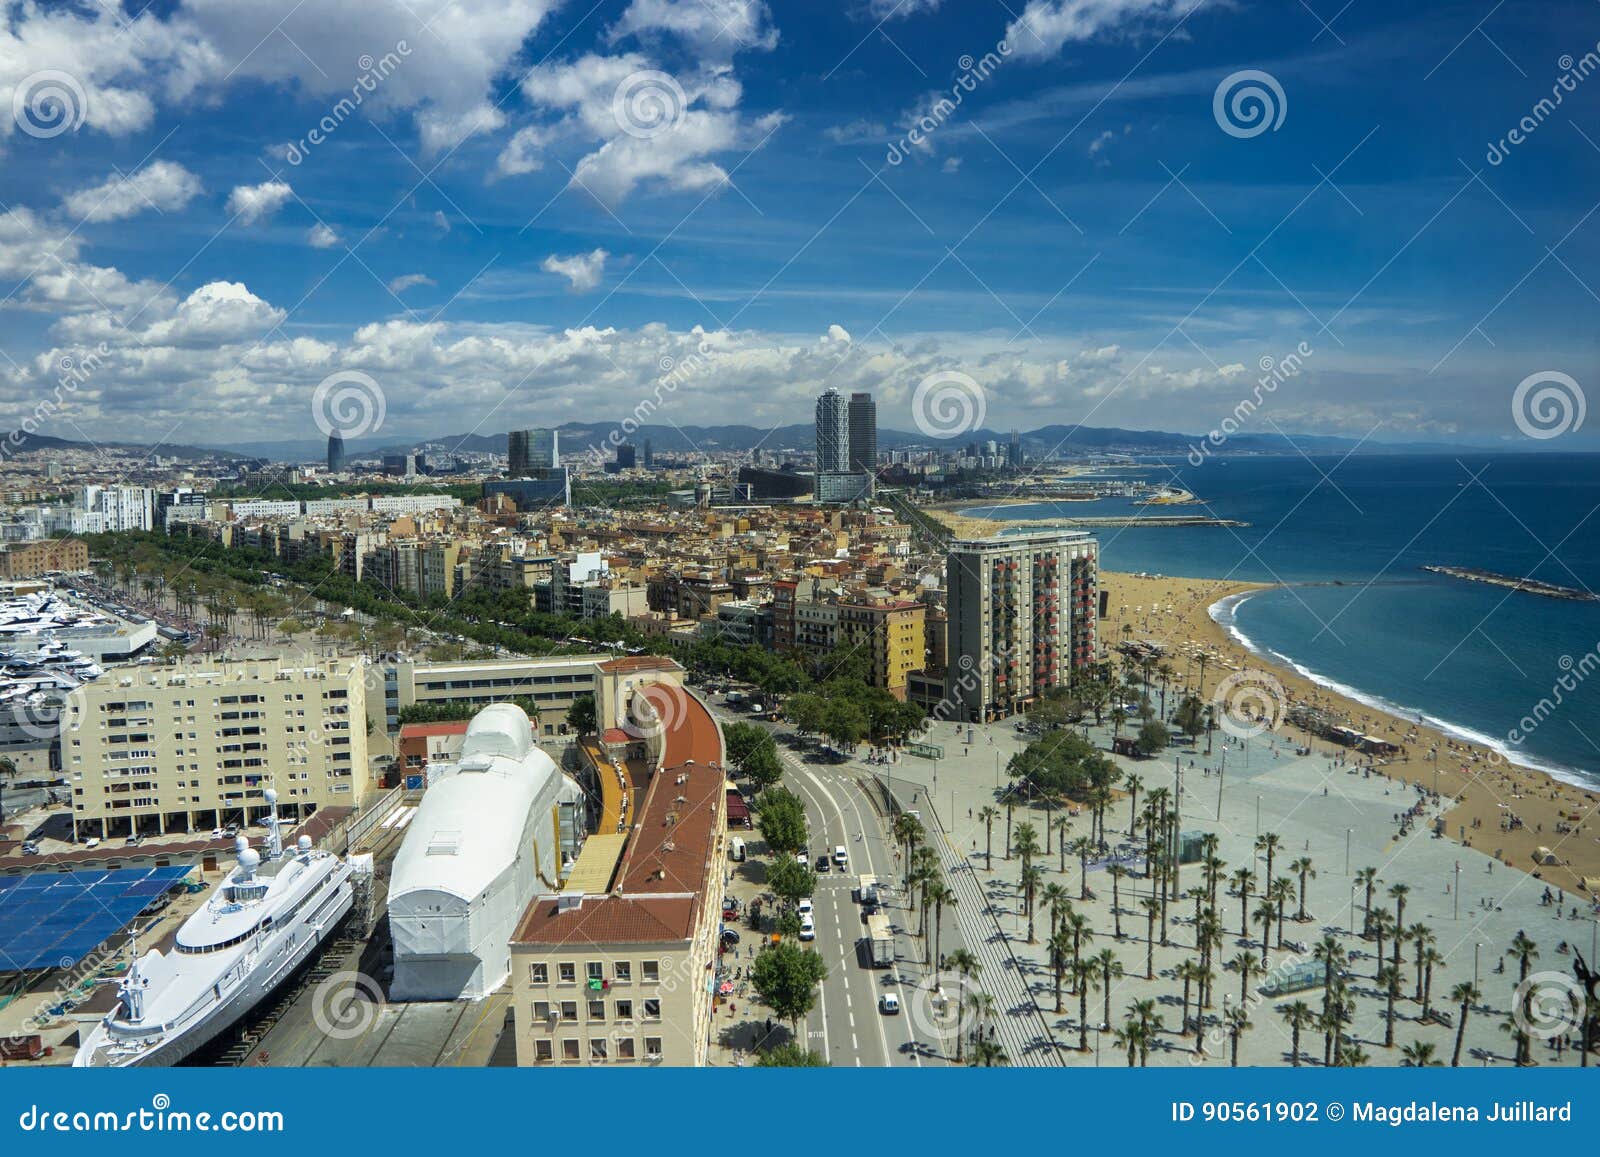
<point x="265" y="919"/>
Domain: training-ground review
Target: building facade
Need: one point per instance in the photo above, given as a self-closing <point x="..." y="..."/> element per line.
<point x="530" y="452"/>
<point x="1022" y="614"/>
<point x="863" y="456"/>
<point x="192" y="745"/>
<point x="833" y="433"/>
<point x="30" y="559"/>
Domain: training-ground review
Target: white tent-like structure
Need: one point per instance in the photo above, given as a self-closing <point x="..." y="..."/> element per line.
<point x="485" y="840"/>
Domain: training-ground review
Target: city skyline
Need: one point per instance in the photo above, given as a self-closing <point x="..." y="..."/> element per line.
<point x="568" y="211"/>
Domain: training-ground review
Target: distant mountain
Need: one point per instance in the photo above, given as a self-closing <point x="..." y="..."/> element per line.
<point x="22" y="442"/>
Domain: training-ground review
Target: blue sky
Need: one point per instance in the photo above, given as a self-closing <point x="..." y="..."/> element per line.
<point x="540" y="201"/>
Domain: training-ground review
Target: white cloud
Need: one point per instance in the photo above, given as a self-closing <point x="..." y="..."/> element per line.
<point x="655" y="129"/>
<point x="951" y="165"/>
<point x="714" y="29"/>
<point x="899" y="9"/>
<point x="1100" y="141"/>
<point x="219" y="314"/>
<point x="253" y="203"/>
<point x="582" y="271"/>
<point x="855" y="132"/>
<point x="443" y="130"/>
<point x="28" y="244"/>
<point x="521" y="154"/>
<point x="410" y="281"/>
<point x="160" y="185"/>
<point x="440" y="221"/>
<point x="1045" y="26"/>
<point x="322" y="236"/>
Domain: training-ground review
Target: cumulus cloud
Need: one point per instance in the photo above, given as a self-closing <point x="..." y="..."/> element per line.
<point x="160" y="185"/>
<point x="254" y="203"/>
<point x="1046" y="26"/>
<point x="582" y="271"/>
<point x="322" y="236"/>
<point x="899" y="9"/>
<point x="409" y="281"/>
<point x="522" y="152"/>
<point x="713" y="28"/>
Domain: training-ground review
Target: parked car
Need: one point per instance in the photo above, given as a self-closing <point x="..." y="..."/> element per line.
<point x="808" y="928"/>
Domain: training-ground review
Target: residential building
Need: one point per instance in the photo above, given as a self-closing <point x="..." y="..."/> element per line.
<point x="549" y="684"/>
<point x="1022" y="614"/>
<point x="192" y="745"/>
<point x="31" y="559"/>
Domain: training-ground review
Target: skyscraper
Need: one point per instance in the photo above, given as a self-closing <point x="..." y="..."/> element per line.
<point x="627" y="456"/>
<point x="833" y="433"/>
<point x="335" y="453"/>
<point x="863" y="434"/>
<point x="531" y="453"/>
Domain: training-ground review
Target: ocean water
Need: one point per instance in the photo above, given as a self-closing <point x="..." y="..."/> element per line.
<point x="1348" y="538"/>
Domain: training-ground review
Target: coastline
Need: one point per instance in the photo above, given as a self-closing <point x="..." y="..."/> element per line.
<point x="1485" y="784"/>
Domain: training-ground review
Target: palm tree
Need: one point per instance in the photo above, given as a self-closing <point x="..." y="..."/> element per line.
<point x="1430" y="958"/>
<point x="1299" y="1015"/>
<point x="936" y="894"/>
<point x="1281" y="892"/>
<point x="1082" y="847"/>
<point x="1382" y="925"/>
<point x="981" y="1005"/>
<point x="1117" y="872"/>
<point x="1032" y="877"/>
<point x="965" y="963"/>
<point x="1187" y="971"/>
<point x="1238" y="1019"/>
<point x="1331" y="954"/>
<point x="988" y="813"/>
<point x="1421" y="936"/>
<point x="1152" y="909"/>
<point x="1389" y="981"/>
<point x="1134" y="783"/>
<point x="1399" y="892"/>
<point x="1368" y="879"/>
<point x="1266" y="913"/>
<point x="1268" y="842"/>
<point x="1516" y="1026"/>
<point x="1129" y="1037"/>
<point x="1059" y="949"/>
<point x="1248" y="964"/>
<point x="1026" y="843"/>
<point x="908" y="831"/>
<point x="1056" y="900"/>
<point x="1526" y="952"/>
<point x="1085" y="975"/>
<point x="987" y="1053"/>
<point x="1303" y="867"/>
<point x="1353" y="1056"/>
<point x="1242" y="881"/>
<point x="1418" y="1055"/>
<point x="1110" y="969"/>
<point x="1144" y="1011"/>
<point x="1465" y="994"/>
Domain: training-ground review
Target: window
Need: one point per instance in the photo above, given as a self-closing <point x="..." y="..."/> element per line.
<point x="541" y="1011"/>
<point x="624" y="1010"/>
<point x="597" y="1049"/>
<point x="544" y="1051"/>
<point x="622" y="971"/>
<point x="597" y="1010"/>
<point x="652" y="1047"/>
<point x="568" y="972"/>
<point x="569" y="1049"/>
<point x="569" y="1010"/>
<point x="651" y="969"/>
<point x="652" y="1009"/>
<point x="596" y="970"/>
<point x="539" y="973"/>
<point x="625" y="1048"/>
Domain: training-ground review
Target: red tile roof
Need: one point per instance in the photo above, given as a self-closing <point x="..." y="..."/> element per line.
<point x="419" y="730"/>
<point x="640" y="663"/>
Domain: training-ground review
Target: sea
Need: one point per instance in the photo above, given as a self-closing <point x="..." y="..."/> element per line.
<point x="1347" y="537"/>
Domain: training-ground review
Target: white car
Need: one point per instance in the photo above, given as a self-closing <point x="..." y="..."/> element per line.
<point x="808" y="928"/>
<point x="841" y="857"/>
<point x="805" y="909"/>
<point x="889" y="1004"/>
<point x="802" y="859"/>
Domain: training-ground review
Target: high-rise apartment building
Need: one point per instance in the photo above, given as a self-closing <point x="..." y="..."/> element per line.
<point x="1022" y="616"/>
<point x="833" y="433"/>
<point x="863" y="441"/>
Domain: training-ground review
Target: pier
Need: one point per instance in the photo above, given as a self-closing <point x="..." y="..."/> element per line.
<point x="1511" y="582"/>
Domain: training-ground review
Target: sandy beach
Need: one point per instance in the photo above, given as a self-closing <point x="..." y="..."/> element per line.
<point x="1487" y="790"/>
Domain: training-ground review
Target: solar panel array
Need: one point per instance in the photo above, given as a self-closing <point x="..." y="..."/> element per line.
<point x="55" y="919"/>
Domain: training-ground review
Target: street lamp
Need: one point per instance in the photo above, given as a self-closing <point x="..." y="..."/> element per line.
<point x="1347" y="833"/>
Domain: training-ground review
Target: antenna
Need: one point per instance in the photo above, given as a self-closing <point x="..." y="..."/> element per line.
<point x="274" y="836"/>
